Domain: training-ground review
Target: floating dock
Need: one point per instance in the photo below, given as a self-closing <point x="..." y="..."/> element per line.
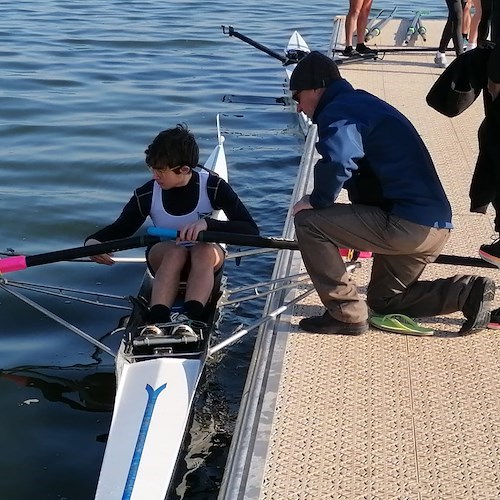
<point x="381" y="415"/>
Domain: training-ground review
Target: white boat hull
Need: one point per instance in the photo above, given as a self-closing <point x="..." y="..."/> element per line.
<point x="296" y="43"/>
<point x="152" y="409"/>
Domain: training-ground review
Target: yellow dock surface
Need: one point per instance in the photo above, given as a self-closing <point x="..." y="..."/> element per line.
<point x="381" y="415"/>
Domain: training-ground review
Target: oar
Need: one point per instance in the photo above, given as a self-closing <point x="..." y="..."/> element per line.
<point x="232" y="32"/>
<point x="20" y="262"/>
<point x="377" y="29"/>
<point x="250" y="99"/>
<point x="422" y="30"/>
<point x="412" y="29"/>
<point x="284" y="244"/>
<point x="155" y="235"/>
<point x="373" y="20"/>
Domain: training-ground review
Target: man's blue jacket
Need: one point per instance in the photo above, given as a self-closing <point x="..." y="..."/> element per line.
<point x="369" y="148"/>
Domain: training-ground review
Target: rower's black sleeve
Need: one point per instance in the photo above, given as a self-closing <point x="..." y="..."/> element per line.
<point x="223" y="197"/>
<point x="132" y="217"/>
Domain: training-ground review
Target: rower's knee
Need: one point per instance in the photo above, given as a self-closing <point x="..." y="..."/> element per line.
<point x="168" y="254"/>
<point x="206" y="255"/>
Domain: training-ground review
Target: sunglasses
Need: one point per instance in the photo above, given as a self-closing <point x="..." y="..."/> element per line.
<point x="296" y="96"/>
<point x="161" y="171"/>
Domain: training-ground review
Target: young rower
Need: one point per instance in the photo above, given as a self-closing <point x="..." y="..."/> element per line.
<point x="180" y="198"/>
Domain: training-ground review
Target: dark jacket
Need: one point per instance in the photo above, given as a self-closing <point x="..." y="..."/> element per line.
<point x="454" y="91"/>
<point x="461" y="82"/>
<point x="374" y="152"/>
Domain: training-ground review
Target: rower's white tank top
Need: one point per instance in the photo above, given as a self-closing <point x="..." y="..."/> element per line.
<point x="161" y="218"/>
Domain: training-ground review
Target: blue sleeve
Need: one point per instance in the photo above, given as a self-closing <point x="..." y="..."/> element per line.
<point x="340" y="145"/>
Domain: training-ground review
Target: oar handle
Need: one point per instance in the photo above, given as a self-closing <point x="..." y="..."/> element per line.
<point x="244" y="240"/>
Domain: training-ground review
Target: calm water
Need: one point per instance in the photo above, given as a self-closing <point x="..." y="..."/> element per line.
<point x="84" y="87"/>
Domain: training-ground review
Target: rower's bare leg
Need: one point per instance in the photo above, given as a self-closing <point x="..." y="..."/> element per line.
<point x="167" y="261"/>
<point x="206" y="259"/>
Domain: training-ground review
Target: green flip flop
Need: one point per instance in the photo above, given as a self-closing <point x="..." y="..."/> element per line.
<point x="398" y="323"/>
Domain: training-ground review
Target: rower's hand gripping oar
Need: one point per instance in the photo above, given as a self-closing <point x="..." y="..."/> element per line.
<point x="20" y="262"/>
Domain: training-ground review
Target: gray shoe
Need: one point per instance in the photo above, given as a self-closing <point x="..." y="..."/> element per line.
<point x="477" y="307"/>
<point x="328" y="324"/>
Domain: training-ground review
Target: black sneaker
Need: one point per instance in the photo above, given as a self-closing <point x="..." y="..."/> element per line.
<point x="328" y="324"/>
<point x="491" y="253"/>
<point x="349" y="51"/>
<point x="477" y="306"/>
<point x="494" y="323"/>
<point x="362" y="49"/>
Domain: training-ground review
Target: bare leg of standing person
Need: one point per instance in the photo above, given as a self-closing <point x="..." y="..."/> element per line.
<point x="357" y="17"/>
<point x="474" y="25"/>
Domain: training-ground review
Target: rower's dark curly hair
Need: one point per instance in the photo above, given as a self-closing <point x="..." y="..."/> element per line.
<point x="172" y="148"/>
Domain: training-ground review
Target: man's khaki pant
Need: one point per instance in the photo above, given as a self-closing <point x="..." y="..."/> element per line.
<point x="401" y="251"/>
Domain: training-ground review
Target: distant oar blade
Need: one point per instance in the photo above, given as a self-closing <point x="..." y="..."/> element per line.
<point x="20" y="262"/>
<point x="250" y="99"/>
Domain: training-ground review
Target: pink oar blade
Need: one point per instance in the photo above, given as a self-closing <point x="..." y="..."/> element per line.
<point x="11" y="264"/>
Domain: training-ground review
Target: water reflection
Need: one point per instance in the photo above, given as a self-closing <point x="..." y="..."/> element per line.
<point x="73" y="385"/>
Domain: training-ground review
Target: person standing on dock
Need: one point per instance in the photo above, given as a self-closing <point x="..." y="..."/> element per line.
<point x="452" y="31"/>
<point x="485" y="186"/>
<point x="178" y="197"/>
<point x="398" y="210"/>
<point x="357" y="18"/>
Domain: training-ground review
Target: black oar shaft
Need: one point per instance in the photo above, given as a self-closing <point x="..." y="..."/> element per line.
<point x="232" y="32"/>
<point x="87" y="251"/>
<point x="246" y="240"/>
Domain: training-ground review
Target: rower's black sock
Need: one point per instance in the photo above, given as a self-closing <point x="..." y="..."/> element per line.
<point x="193" y="309"/>
<point x="159" y="313"/>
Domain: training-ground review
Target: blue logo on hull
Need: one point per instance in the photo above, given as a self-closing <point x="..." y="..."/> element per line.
<point x="141" y="439"/>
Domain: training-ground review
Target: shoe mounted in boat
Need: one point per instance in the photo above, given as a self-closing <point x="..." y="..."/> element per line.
<point x="153" y="330"/>
<point x="186" y="327"/>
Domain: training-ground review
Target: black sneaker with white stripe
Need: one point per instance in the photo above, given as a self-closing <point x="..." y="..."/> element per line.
<point x="491" y="253"/>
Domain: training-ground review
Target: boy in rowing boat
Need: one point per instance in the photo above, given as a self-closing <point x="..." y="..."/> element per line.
<point x="180" y="198"/>
<point x="399" y="211"/>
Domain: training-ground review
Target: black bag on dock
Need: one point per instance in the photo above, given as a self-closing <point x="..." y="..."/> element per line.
<point x="461" y="82"/>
